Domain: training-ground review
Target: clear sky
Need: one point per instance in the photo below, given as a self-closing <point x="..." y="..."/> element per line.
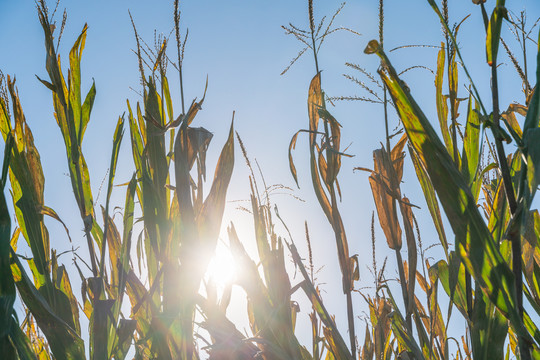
<point x="242" y="49"/>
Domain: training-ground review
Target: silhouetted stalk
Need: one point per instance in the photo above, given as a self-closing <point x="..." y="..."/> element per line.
<point x="336" y="218"/>
<point x="399" y="259"/>
<point x="513" y="236"/>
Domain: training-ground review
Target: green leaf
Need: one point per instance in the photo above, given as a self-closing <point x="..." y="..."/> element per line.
<point x="167" y="97"/>
<point x="500" y="213"/>
<point x="442" y="104"/>
<point x="64" y="342"/>
<point x="471" y="145"/>
<point x="399" y="328"/>
<point x="21" y="343"/>
<point x="452" y="278"/>
<point x="7" y="286"/>
<point x="117" y="140"/>
<point x="137" y="145"/>
<point x="86" y="110"/>
<point x="74" y="104"/>
<point x="431" y="198"/>
<point x="488" y="329"/>
<point x="64" y="298"/>
<point x="125" y="337"/>
<point x="532" y="145"/>
<point x="494" y="32"/>
<point x="156" y="206"/>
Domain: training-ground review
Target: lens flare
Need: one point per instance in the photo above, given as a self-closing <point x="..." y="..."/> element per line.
<point x="221" y="270"/>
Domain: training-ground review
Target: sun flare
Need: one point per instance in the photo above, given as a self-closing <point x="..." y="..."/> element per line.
<point x="221" y="269"/>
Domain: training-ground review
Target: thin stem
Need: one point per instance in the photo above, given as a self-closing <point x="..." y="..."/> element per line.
<point x="104" y="242"/>
<point x="403" y="282"/>
<point x="385" y="106"/>
<point x="468" y="291"/>
<point x="514" y="237"/>
<point x="181" y="88"/>
<point x="524" y="37"/>
<point x="350" y="318"/>
<point x="312" y="28"/>
<point x="506" y="178"/>
<point x="452" y="97"/>
<point x="505" y="173"/>
<point x="385" y="98"/>
<point x="178" y="47"/>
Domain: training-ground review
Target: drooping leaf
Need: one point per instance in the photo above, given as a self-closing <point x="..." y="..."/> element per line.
<point x="384" y="194"/>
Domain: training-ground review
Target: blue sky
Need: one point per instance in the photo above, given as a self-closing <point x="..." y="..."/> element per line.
<point x="242" y="49"/>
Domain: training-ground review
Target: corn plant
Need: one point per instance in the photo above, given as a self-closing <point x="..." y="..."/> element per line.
<point x="486" y="258"/>
<point x="162" y="316"/>
<point x="325" y="157"/>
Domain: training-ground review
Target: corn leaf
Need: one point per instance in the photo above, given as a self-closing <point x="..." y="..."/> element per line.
<point x="7" y="284"/>
<point x="339" y="347"/>
<point x="471" y="144"/>
<point x="431" y="198"/>
<point x="442" y="104"/>
<point x="494" y="32"/>
<point x="64" y="342"/>
<point x="488" y="329"/>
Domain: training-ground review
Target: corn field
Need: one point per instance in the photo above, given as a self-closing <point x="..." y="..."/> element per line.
<point x="138" y="286"/>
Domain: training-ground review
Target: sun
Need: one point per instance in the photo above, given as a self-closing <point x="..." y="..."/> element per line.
<point x="221" y="270"/>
